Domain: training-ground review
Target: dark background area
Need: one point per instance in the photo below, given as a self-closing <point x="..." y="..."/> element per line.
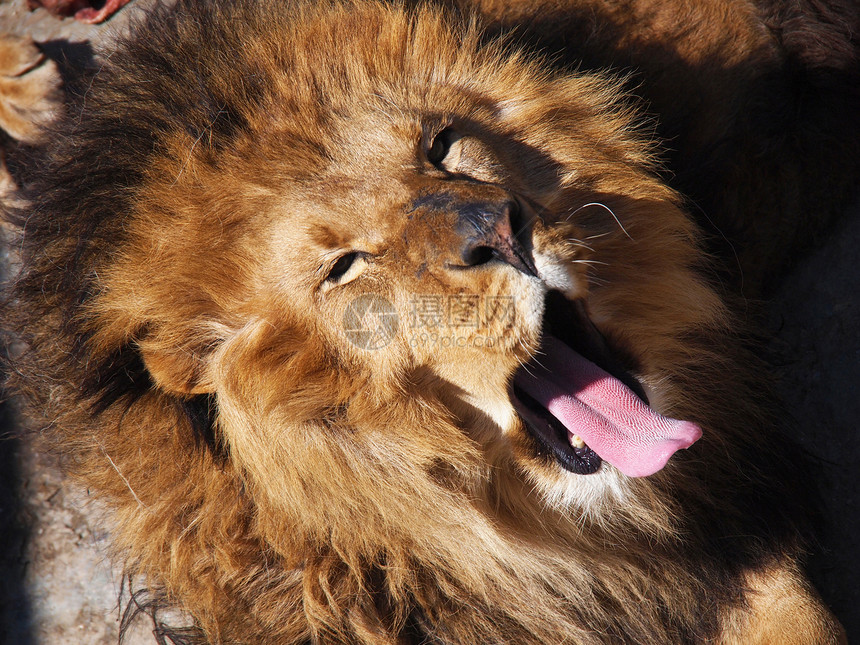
<point x="814" y="324"/>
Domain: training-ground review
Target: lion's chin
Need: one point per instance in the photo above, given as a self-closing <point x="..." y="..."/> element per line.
<point x="583" y="408"/>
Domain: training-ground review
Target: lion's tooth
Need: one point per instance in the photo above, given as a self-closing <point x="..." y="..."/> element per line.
<point x="576" y="441"/>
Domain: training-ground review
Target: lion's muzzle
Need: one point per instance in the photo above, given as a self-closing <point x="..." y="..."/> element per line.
<point x="483" y="225"/>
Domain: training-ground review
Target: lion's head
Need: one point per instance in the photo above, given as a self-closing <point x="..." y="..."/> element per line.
<point x="383" y="242"/>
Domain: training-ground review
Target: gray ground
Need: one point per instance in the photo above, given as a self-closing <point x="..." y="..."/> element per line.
<point x="57" y="587"/>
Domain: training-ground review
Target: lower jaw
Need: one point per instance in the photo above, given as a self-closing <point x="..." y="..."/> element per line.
<point x="551" y="437"/>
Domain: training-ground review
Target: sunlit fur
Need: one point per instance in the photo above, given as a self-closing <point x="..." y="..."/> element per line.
<point x="175" y="256"/>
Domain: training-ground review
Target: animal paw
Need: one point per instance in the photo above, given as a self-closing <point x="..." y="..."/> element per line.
<point x="29" y="88"/>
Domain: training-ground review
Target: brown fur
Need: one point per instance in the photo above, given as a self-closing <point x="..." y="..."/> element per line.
<point x="189" y="358"/>
<point x="757" y="100"/>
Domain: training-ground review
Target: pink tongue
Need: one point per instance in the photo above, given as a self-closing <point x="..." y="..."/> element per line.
<point x="604" y="412"/>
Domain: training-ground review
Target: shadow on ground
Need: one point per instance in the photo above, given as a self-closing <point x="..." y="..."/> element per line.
<point x="815" y="323"/>
<point x="15" y="525"/>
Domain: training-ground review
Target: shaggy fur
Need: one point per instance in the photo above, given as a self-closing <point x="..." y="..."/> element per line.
<point x="757" y="101"/>
<point x="233" y="178"/>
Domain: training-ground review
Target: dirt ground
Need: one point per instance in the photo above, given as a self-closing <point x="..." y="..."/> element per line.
<point x="58" y="587"/>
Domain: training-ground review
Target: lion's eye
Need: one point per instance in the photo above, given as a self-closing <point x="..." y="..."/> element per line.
<point x="345" y="269"/>
<point x="340" y="268"/>
<point x="440" y="146"/>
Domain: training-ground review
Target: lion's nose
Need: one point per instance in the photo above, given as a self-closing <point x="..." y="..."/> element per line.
<point x="491" y="231"/>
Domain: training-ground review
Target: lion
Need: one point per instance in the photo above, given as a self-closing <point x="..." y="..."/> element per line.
<point x="368" y="324"/>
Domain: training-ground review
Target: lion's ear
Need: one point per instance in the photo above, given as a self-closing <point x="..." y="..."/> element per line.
<point x="175" y="369"/>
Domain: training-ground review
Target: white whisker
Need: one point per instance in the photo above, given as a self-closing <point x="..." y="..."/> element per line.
<point x="604" y="206"/>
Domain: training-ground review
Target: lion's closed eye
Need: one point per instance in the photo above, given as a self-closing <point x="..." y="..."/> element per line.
<point x="464" y="155"/>
<point x="345" y="268"/>
<point x="443" y="152"/>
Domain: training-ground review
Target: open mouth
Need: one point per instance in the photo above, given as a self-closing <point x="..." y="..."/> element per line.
<point x="583" y="407"/>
